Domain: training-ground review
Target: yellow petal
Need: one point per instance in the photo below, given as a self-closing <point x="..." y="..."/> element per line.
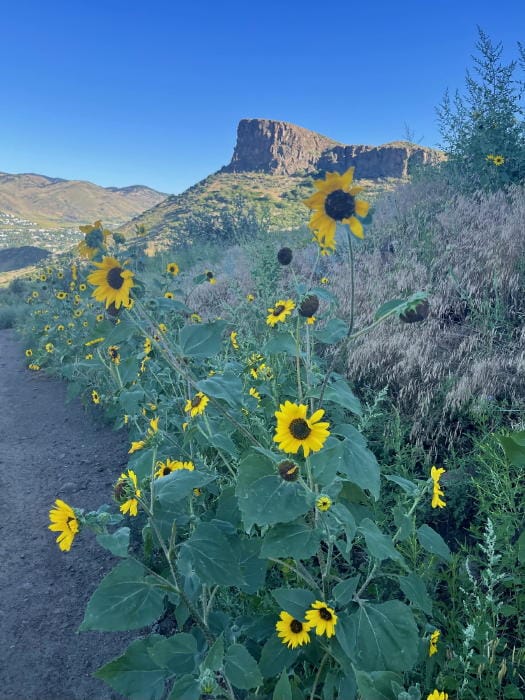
<point x="356" y="227"/>
<point x="361" y="207"/>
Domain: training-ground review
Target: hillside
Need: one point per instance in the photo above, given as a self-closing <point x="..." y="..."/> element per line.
<point x="55" y="203"/>
<point x="272" y="168"/>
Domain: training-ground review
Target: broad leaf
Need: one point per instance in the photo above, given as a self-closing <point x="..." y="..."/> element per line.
<point x="339" y="392"/>
<point x="214" y="559"/>
<point x="416" y="592"/>
<point x="227" y="386"/>
<point x="377" y="685"/>
<point x="215" y="655"/>
<point x="275" y="657"/>
<point x="379" y="545"/>
<point x="432" y="542"/>
<point x="335" y="330"/>
<point x="177" y="653"/>
<point x="296" y="540"/>
<point x="360" y="465"/>
<point x="241" y="668"/>
<point x="294" y="601"/>
<point x="202" y="340"/>
<point x="282" y="690"/>
<point x="125" y="600"/>
<point x="116" y="542"/>
<point x="179" y="484"/>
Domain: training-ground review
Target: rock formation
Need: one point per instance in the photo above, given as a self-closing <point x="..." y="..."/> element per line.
<point x="268" y="146"/>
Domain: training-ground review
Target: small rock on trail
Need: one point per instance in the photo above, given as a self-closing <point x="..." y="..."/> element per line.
<point x="48" y="450"/>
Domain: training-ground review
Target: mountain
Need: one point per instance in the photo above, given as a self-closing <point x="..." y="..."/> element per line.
<point x="272" y="168"/>
<point x="54" y="202"/>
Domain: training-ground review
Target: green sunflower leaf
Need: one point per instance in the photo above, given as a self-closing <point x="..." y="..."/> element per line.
<point x="379" y="637"/>
<point x="177" y="653"/>
<point x="185" y="688"/>
<point x="116" y="542"/>
<point x="296" y="540"/>
<point x="335" y="330"/>
<point x="213" y="557"/>
<point x="126" y="599"/>
<point x="202" y="340"/>
<point x="135" y="674"/>
<point x="282" y="690"/>
<point x="241" y="668"/>
<point x="377" y="685"/>
<point x="379" y="545"/>
<point x="389" y="306"/>
<point x="416" y="592"/>
<point x="514" y="447"/>
<point x="432" y="542"/>
<point x="360" y="466"/>
<point x="215" y="655"/>
<point x="339" y="392"/>
<point x="344" y="591"/>
<point x="294" y="601"/>
<point x="179" y="484"/>
<point x="275" y="657"/>
<point x="227" y="386"/>
<point x="280" y="342"/>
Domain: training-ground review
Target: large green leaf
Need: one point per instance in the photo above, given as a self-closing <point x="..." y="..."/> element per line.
<point x="296" y="540"/>
<point x="416" y="592"/>
<point x="432" y="542"/>
<point x="344" y="591"/>
<point x="202" y="340"/>
<point x="135" y="674"/>
<point x="253" y="568"/>
<point x="116" y="542"/>
<point x="264" y="497"/>
<point x="335" y="330"/>
<point x="179" y="484"/>
<point x="280" y="342"/>
<point x="282" y="690"/>
<point x="360" y="465"/>
<point x="514" y="447"/>
<point x="185" y="688"/>
<point x="177" y="653"/>
<point x="215" y="655"/>
<point x="213" y="557"/>
<point x="379" y="637"/>
<point x="339" y="392"/>
<point x="276" y="656"/>
<point x="294" y="601"/>
<point x="241" y="668"/>
<point x="126" y="599"/>
<point x="227" y="386"/>
<point x="377" y="685"/>
<point x="327" y="462"/>
<point x="379" y="545"/>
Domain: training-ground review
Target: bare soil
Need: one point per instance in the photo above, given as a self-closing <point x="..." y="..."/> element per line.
<point x="50" y="449"/>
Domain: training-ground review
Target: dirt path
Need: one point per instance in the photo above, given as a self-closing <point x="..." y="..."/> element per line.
<point x="50" y="449"/>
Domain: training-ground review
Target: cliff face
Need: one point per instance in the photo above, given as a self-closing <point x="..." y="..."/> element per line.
<point x="268" y="146"/>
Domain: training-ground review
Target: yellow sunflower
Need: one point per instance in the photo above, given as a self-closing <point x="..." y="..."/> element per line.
<point x="322" y="617"/>
<point x="95" y="396"/>
<point x="63" y="520"/>
<point x="233" y="340"/>
<point x="114" y="354"/>
<point x="433" y="642"/>
<point x="170" y="465"/>
<point x="437" y="492"/>
<point x="436" y="695"/>
<point x="498" y="160"/>
<point x="323" y="503"/>
<point x="113" y="283"/>
<point x="130" y="491"/>
<point x="334" y="203"/>
<point x="295" y="430"/>
<point x="94" y="240"/>
<point x="169" y="295"/>
<point x="292" y="632"/>
<point x="172" y="268"/>
<point x="279" y="313"/>
<point x="197" y="404"/>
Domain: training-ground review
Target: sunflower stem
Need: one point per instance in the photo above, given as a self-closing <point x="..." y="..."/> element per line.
<point x="298" y="360"/>
<point x="318" y="675"/>
<point x="299" y="570"/>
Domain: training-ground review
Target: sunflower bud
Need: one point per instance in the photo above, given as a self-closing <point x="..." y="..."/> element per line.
<point x="418" y="312"/>
<point x="309" y="306"/>
<point x="288" y="470"/>
<point x="284" y="256"/>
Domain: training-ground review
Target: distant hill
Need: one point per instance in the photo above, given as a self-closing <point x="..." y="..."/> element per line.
<point x="272" y="168"/>
<point x="53" y="202"/>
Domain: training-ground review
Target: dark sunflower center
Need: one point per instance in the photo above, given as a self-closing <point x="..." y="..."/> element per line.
<point x="325" y="614"/>
<point x="70" y="520"/>
<point x="113" y="352"/>
<point x="278" y="310"/>
<point x="196" y="401"/>
<point x="300" y="428"/>
<point x="296" y="626"/>
<point x="339" y="205"/>
<point x="166" y="471"/>
<point x="114" y="278"/>
<point x="209" y="275"/>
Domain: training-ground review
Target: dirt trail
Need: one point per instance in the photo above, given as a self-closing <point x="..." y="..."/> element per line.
<point x="50" y="449"/>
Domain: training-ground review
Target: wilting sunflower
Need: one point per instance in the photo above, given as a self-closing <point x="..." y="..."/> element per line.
<point x="253" y="392"/>
<point x="197" y="404"/>
<point x="437" y="492"/>
<point x="292" y="632"/>
<point x="63" y="520"/>
<point x="432" y="649"/>
<point x="130" y="491"/>
<point x="94" y="239"/>
<point x="279" y="313"/>
<point x="171" y="465"/>
<point x="288" y="470"/>
<point x="322" y="617"/>
<point x="113" y="283"/>
<point x="152" y="430"/>
<point x="335" y="203"/>
<point x="295" y="430"/>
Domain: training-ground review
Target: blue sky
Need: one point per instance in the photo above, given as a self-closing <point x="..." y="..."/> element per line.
<point x="122" y="92"/>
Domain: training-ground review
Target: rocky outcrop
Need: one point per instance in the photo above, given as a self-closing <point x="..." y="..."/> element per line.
<point x="268" y="146"/>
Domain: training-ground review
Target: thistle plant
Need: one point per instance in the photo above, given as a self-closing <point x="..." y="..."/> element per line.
<point x="251" y="489"/>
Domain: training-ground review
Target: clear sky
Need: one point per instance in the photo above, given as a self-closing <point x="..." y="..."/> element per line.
<point x="122" y="92"/>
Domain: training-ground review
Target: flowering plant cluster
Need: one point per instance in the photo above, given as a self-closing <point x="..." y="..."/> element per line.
<point x="249" y="486"/>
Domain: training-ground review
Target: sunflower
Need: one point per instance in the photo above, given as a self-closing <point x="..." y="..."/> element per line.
<point x="94" y="240"/>
<point x="250" y="297"/>
<point x="34" y="367"/>
<point x="61" y="295"/>
<point x="113" y="283"/>
<point x="169" y="295"/>
<point x="292" y="632"/>
<point x="279" y="313"/>
<point x="233" y="340"/>
<point x="82" y="287"/>
<point x="140" y="444"/>
<point x="334" y="203"/>
<point x="498" y="160"/>
<point x="197" y="404"/>
<point x="114" y="354"/>
<point x="433" y="642"/>
<point x="436" y="695"/>
<point x="295" y="430"/>
<point x="95" y="396"/>
<point x="437" y="492"/>
<point x="131" y="491"/>
<point x="172" y="268"/>
<point x="170" y="465"/>
<point x="322" y="617"/>
<point x="63" y="520"/>
<point x="253" y="392"/>
<point x="210" y="277"/>
<point x="49" y="347"/>
<point x="323" y="503"/>
<point x="29" y="352"/>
